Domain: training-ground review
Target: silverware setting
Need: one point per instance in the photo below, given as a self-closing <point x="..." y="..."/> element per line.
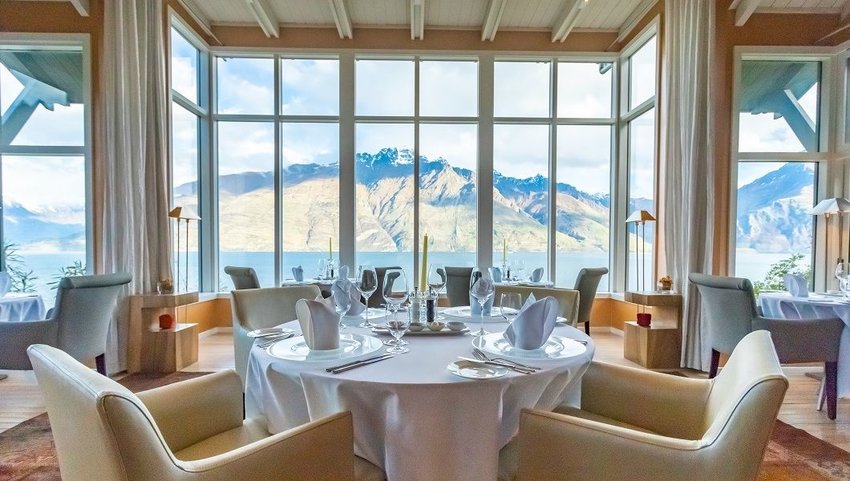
<point x="518" y="369"/>
<point x="266" y="341"/>
<point x="355" y="364"/>
<point x="481" y="356"/>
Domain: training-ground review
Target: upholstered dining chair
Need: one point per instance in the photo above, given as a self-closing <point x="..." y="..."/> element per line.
<point x="190" y="430"/>
<point x="641" y="425"/>
<point x="587" y="282"/>
<point x="568" y="299"/>
<point x="243" y="277"/>
<point x="260" y="308"/>
<point x="457" y="285"/>
<point x="728" y="307"/>
<point x="78" y="323"/>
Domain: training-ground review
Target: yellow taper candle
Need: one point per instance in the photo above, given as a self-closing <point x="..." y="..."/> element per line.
<point x="424" y="274"/>
<point x="504" y="251"/>
<point x="330" y="247"/>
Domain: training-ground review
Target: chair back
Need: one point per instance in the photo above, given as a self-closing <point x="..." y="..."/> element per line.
<point x="377" y="298"/>
<point x="260" y="308"/>
<point x="457" y="285"/>
<point x="587" y="282"/>
<point x="83" y="312"/>
<point x="243" y="277"/>
<point x="727" y="306"/>
<point x="5" y="283"/>
<point x="496" y="274"/>
<point x="81" y="432"/>
<point x="568" y="299"/>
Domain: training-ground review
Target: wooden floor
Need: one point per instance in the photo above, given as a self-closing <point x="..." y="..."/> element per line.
<point x="20" y="398"/>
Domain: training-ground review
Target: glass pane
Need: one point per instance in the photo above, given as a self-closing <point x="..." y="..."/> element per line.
<point x="246" y="199"/>
<point x="44" y="221"/>
<point x="641" y="239"/>
<point x="245" y="85"/>
<point x="447" y="194"/>
<point x="41" y="96"/>
<point x="184" y="66"/>
<point x="584" y="89"/>
<point x="310" y="195"/>
<point x="642" y="69"/>
<point x="384" y="190"/>
<point x="448" y="89"/>
<point x="184" y="148"/>
<point x="583" y="201"/>
<point x="310" y="86"/>
<point x="779" y="106"/>
<point x="521" y="89"/>
<point x="521" y="197"/>
<point x="385" y="87"/>
<point x="773" y="220"/>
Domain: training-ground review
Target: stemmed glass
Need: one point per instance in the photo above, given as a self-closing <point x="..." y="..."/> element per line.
<point x="322" y="269"/>
<point x="367" y="284"/>
<point x="510" y="303"/>
<point x="436" y="279"/>
<point x="341" y="305"/>
<point x="482" y="289"/>
<point x="395" y="294"/>
<point x="518" y="270"/>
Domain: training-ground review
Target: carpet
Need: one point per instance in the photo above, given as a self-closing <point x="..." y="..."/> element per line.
<point x="27" y="452"/>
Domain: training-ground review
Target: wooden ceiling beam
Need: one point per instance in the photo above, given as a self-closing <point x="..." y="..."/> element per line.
<point x="744" y="10"/>
<point x="341" y="18"/>
<point x="265" y="17"/>
<point x="567" y="19"/>
<point x="492" y="19"/>
<point x="198" y="16"/>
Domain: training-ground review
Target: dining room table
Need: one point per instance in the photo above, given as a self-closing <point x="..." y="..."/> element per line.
<point x="413" y="416"/>
<point x="782" y="305"/>
<point x="20" y="307"/>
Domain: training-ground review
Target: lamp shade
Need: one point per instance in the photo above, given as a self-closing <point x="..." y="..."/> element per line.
<point x="180" y="212"/>
<point x="640" y="216"/>
<point x="833" y="205"/>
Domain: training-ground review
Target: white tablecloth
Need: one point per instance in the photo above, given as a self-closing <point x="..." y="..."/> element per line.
<point x="784" y="306"/>
<point x="21" y="307"/>
<point x="413" y="417"/>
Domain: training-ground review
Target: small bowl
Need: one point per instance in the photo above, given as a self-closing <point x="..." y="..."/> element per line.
<point x="416" y="326"/>
<point x="436" y="326"/>
<point x="456" y="325"/>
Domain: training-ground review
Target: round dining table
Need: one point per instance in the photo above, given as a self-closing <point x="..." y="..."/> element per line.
<point x="413" y="417"/>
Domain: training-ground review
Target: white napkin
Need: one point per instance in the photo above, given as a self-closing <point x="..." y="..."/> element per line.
<point x="298" y="273"/>
<point x="319" y="323"/>
<point x="5" y="283"/>
<point x="797" y="286"/>
<point x="537" y="275"/>
<point x="496" y="274"/>
<point x="342" y="286"/>
<point x="475" y="307"/>
<point x="534" y="323"/>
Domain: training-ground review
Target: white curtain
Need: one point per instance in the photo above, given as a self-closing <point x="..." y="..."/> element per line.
<point x="132" y="159"/>
<point x="688" y="170"/>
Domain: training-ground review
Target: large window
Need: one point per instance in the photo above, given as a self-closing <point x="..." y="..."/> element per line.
<point x="778" y="146"/>
<point x="43" y="165"/>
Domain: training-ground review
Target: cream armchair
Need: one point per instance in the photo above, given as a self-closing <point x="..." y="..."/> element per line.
<point x="568" y="299"/>
<point x="641" y="425"/>
<point x="192" y="430"/>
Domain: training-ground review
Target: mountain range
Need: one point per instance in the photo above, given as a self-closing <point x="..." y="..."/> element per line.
<point x="772" y="210"/>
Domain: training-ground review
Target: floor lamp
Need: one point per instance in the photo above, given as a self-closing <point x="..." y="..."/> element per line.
<point x="183" y="213"/>
<point x="826" y="208"/>
<point x="640" y="218"/>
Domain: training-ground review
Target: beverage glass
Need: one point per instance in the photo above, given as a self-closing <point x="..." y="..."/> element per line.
<point x="510" y="304"/>
<point x="395" y="292"/>
<point x="367" y="284"/>
<point x="482" y="288"/>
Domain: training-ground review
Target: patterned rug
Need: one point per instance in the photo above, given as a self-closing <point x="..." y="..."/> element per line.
<point x="27" y="452"/>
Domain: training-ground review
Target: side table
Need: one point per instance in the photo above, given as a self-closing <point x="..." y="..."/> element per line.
<point x="659" y="345"/>
<point x="151" y="349"/>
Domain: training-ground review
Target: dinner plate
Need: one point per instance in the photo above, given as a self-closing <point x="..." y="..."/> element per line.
<point x="270" y="331"/>
<point x="474" y="370"/>
<point x="464" y="313"/>
<point x="350" y="345"/>
<point x="557" y="347"/>
<point x="371" y="314"/>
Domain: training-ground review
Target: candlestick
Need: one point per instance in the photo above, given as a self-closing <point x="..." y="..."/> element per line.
<point x="424" y="271"/>
<point x="504" y="252"/>
<point x="330" y="247"/>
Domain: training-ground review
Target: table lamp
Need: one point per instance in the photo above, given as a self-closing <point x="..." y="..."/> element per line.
<point x="828" y="207"/>
<point x="640" y="218"/>
<point x="183" y="213"/>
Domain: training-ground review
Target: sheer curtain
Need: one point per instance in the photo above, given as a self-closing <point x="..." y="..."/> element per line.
<point x="688" y="212"/>
<point x="132" y="155"/>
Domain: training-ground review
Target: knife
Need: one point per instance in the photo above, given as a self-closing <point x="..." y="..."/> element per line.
<point x="364" y="362"/>
<point x="333" y="368"/>
<point x="494" y="363"/>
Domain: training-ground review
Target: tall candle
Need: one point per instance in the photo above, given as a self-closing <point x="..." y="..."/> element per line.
<point x="504" y="251"/>
<point x="330" y="247"/>
<point x="424" y="271"/>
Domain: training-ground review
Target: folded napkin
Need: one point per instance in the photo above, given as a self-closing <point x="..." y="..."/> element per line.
<point x="298" y="273"/>
<point x="797" y="286"/>
<point x="475" y="307"/>
<point x="496" y="274"/>
<point x="534" y="323"/>
<point x="537" y="275"/>
<point x="319" y="323"/>
<point x="5" y="283"/>
<point x="342" y="287"/>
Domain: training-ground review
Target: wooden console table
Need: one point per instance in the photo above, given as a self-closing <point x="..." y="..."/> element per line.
<point x="151" y="349"/>
<point x="659" y="345"/>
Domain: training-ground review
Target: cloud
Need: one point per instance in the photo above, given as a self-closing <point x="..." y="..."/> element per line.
<point x="521" y="150"/>
<point x="310" y="86"/>
<point x="521" y="89"/>
<point x="582" y="91"/>
<point x="457" y="143"/>
<point x="44" y="183"/>
<point x="384" y="87"/>
<point x="448" y="88"/>
<point x="310" y="143"/>
<point x="245" y="85"/>
<point x="245" y="147"/>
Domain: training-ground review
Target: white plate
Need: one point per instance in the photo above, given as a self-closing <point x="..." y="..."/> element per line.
<point x="372" y="313"/>
<point x="464" y="313"/>
<point x="350" y="346"/>
<point x="556" y="347"/>
<point x="270" y="331"/>
<point x="473" y="370"/>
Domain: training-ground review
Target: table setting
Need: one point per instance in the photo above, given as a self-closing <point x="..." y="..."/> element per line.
<point x="409" y="384"/>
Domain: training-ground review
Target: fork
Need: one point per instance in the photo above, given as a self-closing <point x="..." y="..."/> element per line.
<point x="479" y="354"/>
<point x="268" y="341"/>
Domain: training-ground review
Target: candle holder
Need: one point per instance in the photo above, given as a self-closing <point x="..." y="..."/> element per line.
<point x="330" y="268"/>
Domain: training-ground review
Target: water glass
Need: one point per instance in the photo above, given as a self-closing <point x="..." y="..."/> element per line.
<point x="437" y="277"/>
<point x="510" y="303"/>
<point x="341" y="305"/>
<point x="395" y="292"/>
<point x="367" y="284"/>
<point x="482" y="289"/>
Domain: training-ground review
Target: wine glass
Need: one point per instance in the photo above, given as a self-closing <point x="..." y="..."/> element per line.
<point x="322" y="269"/>
<point x="844" y="286"/>
<point x="342" y="303"/>
<point x="518" y="270"/>
<point x="367" y="284"/>
<point x="482" y="290"/>
<point x="395" y="293"/>
<point x="437" y="277"/>
<point x="510" y="303"/>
